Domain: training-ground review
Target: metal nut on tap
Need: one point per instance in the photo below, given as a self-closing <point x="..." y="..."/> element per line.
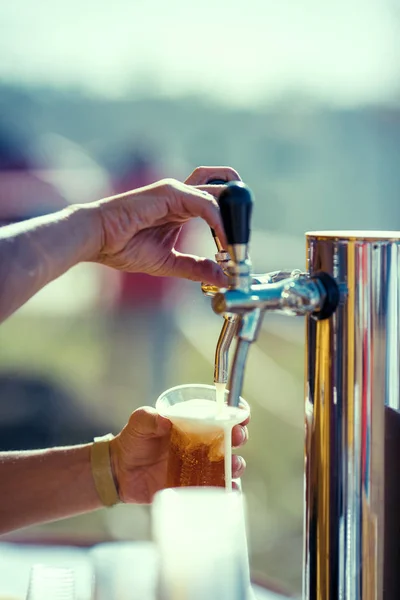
<point x="211" y="290"/>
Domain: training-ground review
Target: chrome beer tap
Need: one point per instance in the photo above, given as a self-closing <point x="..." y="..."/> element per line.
<point x="231" y="320"/>
<point x="291" y="293"/>
<point x="221" y="362"/>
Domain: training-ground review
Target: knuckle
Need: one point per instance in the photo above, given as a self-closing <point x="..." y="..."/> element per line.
<point x="142" y="417"/>
<point x="200" y="170"/>
<point x="224" y="172"/>
<point x="169" y="183"/>
<point x="231" y="172"/>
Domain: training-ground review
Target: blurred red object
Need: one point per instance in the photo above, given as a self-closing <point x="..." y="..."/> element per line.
<point x="138" y="290"/>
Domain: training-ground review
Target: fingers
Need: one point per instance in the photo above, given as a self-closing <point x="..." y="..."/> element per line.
<point x="240" y="435"/>
<point x="146" y="422"/>
<point x="195" y="268"/>
<point x="151" y="204"/>
<point x="202" y="175"/>
<point x="238" y="466"/>
<point x="201" y="202"/>
<point x="246" y="421"/>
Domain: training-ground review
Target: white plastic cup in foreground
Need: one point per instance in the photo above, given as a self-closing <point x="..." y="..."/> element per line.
<point x="51" y="583"/>
<point x="201" y="540"/>
<point x="200" y="452"/>
<point x="124" y="570"/>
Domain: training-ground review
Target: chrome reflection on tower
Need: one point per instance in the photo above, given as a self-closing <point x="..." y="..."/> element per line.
<point x="352" y="374"/>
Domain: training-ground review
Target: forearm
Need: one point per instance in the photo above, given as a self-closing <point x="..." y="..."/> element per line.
<point x="45" y="485"/>
<point x="35" y="252"/>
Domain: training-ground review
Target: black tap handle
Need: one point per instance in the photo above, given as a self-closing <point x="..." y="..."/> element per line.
<point x="216" y="182"/>
<point x="236" y="204"/>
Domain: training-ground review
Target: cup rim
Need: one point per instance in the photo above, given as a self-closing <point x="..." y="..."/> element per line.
<point x="242" y="402"/>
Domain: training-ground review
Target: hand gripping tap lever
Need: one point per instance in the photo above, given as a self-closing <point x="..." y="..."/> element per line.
<point x="248" y="297"/>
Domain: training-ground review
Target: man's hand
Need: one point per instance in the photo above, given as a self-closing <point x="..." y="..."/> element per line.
<point x="139" y="229"/>
<point x="139" y="455"/>
<point x="136" y="232"/>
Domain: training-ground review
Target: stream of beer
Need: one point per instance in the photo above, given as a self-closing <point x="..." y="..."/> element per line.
<point x="220" y="399"/>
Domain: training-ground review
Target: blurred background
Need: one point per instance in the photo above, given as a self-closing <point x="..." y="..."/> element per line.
<point x="303" y="99"/>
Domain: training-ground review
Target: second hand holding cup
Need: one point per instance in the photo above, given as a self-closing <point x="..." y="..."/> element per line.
<point x="200" y="452"/>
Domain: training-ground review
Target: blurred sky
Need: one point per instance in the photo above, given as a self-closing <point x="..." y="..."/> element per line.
<point x="238" y="51"/>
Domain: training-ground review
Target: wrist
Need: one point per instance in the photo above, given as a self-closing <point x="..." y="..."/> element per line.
<point x="85" y="222"/>
<point x="105" y="482"/>
<point x="115" y="466"/>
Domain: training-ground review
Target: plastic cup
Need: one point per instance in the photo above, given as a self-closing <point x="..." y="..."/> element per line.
<point x="201" y="540"/>
<point x="51" y="583"/>
<point x="200" y="436"/>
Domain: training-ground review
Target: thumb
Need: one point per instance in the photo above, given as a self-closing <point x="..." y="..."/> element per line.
<point x="195" y="268"/>
<point x="146" y="422"/>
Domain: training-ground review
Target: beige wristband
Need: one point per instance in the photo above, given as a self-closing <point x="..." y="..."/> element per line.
<point x="101" y="470"/>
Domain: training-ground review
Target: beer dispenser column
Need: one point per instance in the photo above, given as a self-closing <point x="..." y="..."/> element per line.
<point x="352" y="395"/>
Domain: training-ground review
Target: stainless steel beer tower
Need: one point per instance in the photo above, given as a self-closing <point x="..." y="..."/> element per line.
<point x="350" y="295"/>
<point x="352" y="374"/>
